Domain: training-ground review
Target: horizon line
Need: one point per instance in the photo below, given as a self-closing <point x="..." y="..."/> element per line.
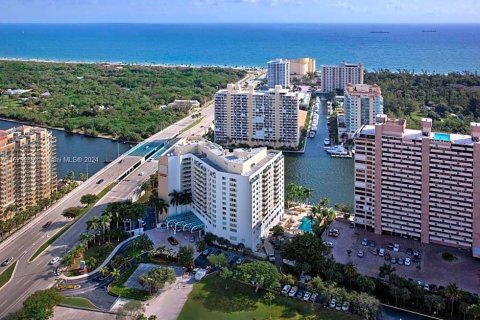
<point x="264" y="23"/>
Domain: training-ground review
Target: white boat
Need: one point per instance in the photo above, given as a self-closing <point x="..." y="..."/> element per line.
<point x="337" y="150"/>
<point x="311" y="134"/>
<point x="326" y="141"/>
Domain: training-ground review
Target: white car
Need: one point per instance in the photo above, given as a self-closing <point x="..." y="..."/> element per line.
<point x="328" y="244"/>
<point x="314" y="296"/>
<point x="396" y="247"/>
<point x="333" y="303"/>
<point x="141" y="173"/>
<point x="292" y="291"/>
<point x="306" y="296"/>
<point x="407" y="261"/>
<point x="286" y="288"/>
<point x="381" y="252"/>
<point x="54" y="260"/>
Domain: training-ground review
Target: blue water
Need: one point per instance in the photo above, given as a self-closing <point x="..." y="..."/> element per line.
<point x="305" y="225"/>
<point x="450" y="48"/>
<point x="441" y="136"/>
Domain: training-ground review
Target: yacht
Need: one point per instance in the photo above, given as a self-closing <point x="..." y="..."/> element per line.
<point x="338" y="150"/>
<point x="326" y="141"/>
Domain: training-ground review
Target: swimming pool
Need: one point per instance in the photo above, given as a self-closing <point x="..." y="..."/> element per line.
<point x="305" y="225"/>
<point x="441" y="136"/>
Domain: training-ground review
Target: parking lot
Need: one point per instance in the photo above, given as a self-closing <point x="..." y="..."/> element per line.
<point x="431" y="269"/>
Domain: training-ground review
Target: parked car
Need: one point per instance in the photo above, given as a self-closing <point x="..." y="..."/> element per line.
<point x="400" y="261"/>
<point x="333" y="303"/>
<point x="54" y="260"/>
<point x="328" y="244"/>
<point x="239" y="260"/>
<point x="172" y="241"/>
<point x="338" y="307"/>
<point x="426" y="287"/>
<point x="345" y="306"/>
<point x="286" y="288"/>
<point x="100" y="181"/>
<point x="365" y="242"/>
<point x="299" y="295"/>
<point x="407" y="261"/>
<point x="373" y="243"/>
<point x="381" y="252"/>
<point x="292" y="291"/>
<point x="410" y="251"/>
<point x="306" y="296"/>
<point x="375" y="252"/>
<point x="314" y="296"/>
<point x="48" y="224"/>
<point x="396" y="247"/>
<point x="390" y="246"/>
<point x="360" y="253"/>
<point x="394" y="260"/>
<point x="206" y="252"/>
<point x="7" y="261"/>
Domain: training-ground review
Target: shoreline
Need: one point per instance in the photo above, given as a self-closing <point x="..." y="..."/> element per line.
<point x="135" y="64"/>
<point x="100" y="136"/>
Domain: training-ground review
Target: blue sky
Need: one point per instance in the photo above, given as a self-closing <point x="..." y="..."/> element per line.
<point x="190" y="11"/>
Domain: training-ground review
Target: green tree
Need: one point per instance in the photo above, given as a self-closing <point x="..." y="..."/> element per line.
<point x="115" y="273"/>
<point x="131" y="310"/>
<point x="226" y="275"/>
<point x="156" y="278"/>
<point x="88" y="199"/>
<point x="185" y="256"/>
<point x="176" y="199"/>
<point x="93" y="224"/>
<point x="218" y="260"/>
<point x="260" y="273"/>
<point x="350" y="272"/>
<point x="366" y="306"/>
<point x="39" y="305"/>
<point x="474" y="311"/>
<point x="316" y="285"/>
<point x="277" y="231"/>
<point x="453" y="293"/>
<point x="72" y="212"/>
<point x="269" y="298"/>
<point x="307" y="248"/>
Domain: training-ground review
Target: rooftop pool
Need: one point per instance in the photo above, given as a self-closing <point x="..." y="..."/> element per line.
<point x="441" y="136"/>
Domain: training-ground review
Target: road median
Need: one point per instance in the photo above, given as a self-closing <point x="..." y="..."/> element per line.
<point x="57" y="235"/>
<point x="6" y="275"/>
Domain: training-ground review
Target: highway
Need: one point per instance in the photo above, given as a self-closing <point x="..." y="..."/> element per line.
<point x="38" y="275"/>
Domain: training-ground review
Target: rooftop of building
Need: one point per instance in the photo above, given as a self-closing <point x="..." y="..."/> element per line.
<point x="237" y="90"/>
<point x="278" y="60"/>
<point x="343" y="64"/>
<point x="244" y="161"/>
<point x="416" y="134"/>
<point x="363" y="89"/>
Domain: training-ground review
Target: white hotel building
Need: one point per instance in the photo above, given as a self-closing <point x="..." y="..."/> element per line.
<point x="236" y="195"/>
<point x="278" y="73"/>
<point x="256" y="118"/>
<point x="338" y="76"/>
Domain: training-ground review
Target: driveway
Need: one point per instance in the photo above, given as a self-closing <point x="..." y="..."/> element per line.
<point x="464" y="271"/>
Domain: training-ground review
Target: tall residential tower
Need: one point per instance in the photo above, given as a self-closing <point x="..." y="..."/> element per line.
<point x="27" y="167"/>
<point x="362" y="103"/>
<point x="338" y="76"/>
<point x="236" y="195"/>
<point x="256" y="118"/>
<point x="278" y="73"/>
<point x="419" y="184"/>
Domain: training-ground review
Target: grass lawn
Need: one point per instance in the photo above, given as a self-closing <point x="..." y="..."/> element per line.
<point x="7" y="274"/>
<point x="210" y="300"/>
<point x="117" y="288"/>
<point x="78" y="302"/>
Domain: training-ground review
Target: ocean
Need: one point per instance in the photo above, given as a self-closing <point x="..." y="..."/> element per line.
<point x="452" y="47"/>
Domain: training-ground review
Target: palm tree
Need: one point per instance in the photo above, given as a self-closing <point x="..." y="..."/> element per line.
<point x="314" y="211"/>
<point x="350" y="272"/>
<point x="176" y="199"/>
<point x="93" y="224"/>
<point x="115" y="273"/>
<point x="453" y="293"/>
<point x="104" y="223"/>
<point x="162" y="207"/>
<point x="387" y="269"/>
<point x="87" y="238"/>
<point x="307" y="193"/>
<point x="323" y="202"/>
<point x="117" y="218"/>
<point x="104" y="271"/>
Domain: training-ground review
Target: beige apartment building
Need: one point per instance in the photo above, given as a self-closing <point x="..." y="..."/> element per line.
<point x="27" y="166"/>
<point x="362" y="102"/>
<point x="256" y="118"/>
<point x="302" y="66"/>
<point x="236" y="195"/>
<point x="419" y="184"/>
<point x="338" y="76"/>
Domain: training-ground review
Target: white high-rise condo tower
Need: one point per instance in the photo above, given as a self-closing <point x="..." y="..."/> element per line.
<point x="278" y="73"/>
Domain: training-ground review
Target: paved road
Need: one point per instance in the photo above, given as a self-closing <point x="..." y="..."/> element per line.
<point x="38" y="275"/>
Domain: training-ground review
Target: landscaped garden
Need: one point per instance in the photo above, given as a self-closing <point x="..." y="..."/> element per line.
<point x="210" y="300"/>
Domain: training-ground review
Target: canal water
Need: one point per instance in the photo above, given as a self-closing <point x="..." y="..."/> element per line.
<point x="315" y="169"/>
<point x="79" y="153"/>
